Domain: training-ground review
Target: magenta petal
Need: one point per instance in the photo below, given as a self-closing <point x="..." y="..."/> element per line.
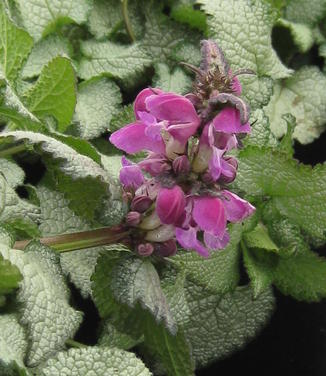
<point x="228" y="121"/>
<point x="209" y="214"/>
<point x="130" y="174"/>
<point x="213" y="242"/>
<point x="170" y="204"/>
<point x="215" y="163"/>
<point x="172" y="107"/>
<point x="236" y="86"/>
<point x="236" y="208"/>
<point x="139" y="104"/>
<point x="132" y="138"/>
<point x="188" y="240"/>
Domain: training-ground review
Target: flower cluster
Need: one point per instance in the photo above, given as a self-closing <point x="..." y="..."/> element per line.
<point x="178" y="192"/>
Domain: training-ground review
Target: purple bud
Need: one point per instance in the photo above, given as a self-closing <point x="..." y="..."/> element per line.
<point x="133" y="218"/>
<point x="170" y="204"/>
<point x="145" y="249"/>
<point x="166" y="249"/>
<point x="141" y="203"/>
<point x="229" y="171"/>
<point x="155" y="164"/>
<point x="130" y="174"/>
<point x="181" y="165"/>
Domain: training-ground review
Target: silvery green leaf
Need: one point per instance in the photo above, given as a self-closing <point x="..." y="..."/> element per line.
<point x="176" y="81"/>
<point x="44" y="299"/>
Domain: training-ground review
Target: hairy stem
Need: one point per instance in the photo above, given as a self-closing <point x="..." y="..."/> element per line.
<point x="127" y="20"/>
<point x="81" y="240"/>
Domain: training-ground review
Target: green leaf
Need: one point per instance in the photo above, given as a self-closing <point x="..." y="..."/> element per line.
<point x="305" y="12"/>
<point x="261" y="134"/>
<point x="106" y="361"/>
<point x="97" y="102"/>
<point x="302" y="34"/>
<point x="218" y="324"/>
<point x="219" y="272"/>
<point x="13" y="344"/>
<point x="252" y="48"/>
<point x="41" y="17"/>
<point x="304" y="96"/>
<point x="173" y="350"/>
<point x="9" y="276"/>
<point x="293" y="188"/>
<point x="260" y="266"/>
<point x="112" y="337"/>
<point x="184" y="12"/>
<point x="44" y="298"/>
<point x="176" y="81"/>
<point x="123" y="117"/>
<point x="43" y="52"/>
<point x="113" y="60"/>
<point x="303" y="276"/>
<point x="13" y="174"/>
<point x="54" y="93"/>
<point x="136" y="280"/>
<point x="85" y="183"/>
<point x="259" y="238"/>
<point x="15" y="46"/>
<point x="57" y="218"/>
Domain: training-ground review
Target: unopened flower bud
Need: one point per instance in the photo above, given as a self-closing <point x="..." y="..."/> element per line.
<point x="230" y="170"/>
<point x="181" y="165"/>
<point x="141" y="203"/>
<point x="133" y="218"/>
<point x="166" y="249"/>
<point x="145" y="249"/>
<point x="170" y="204"/>
<point x="161" y="234"/>
<point x="150" y="222"/>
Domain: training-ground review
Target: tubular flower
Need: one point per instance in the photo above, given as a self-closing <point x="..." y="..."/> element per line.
<point x="178" y="193"/>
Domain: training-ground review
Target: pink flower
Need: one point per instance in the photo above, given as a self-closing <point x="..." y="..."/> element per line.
<point x="158" y="113"/>
<point x="130" y="174"/>
<point x="170" y="204"/>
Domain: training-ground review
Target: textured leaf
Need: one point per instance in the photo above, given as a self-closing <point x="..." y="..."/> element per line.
<point x="304" y="96"/>
<point x="15" y="45"/>
<point x="84" y="182"/>
<point x="305" y="12"/>
<point x="9" y="276"/>
<point x="13" y="174"/>
<point x="220" y="325"/>
<point x="113" y="60"/>
<point x="251" y="48"/>
<point x="54" y="93"/>
<point x="97" y="102"/>
<point x="136" y="280"/>
<point x="13" y="344"/>
<point x="44" y="296"/>
<point x="260" y="266"/>
<point x="177" y="81"/>
<point x="259" y="238"/>
<point x="219" y="272"/>
<point x="261" y="134"/>
<point x="43" y="52"/>
<point x="105" y="361"/>
<point x="123" y="117"/>
<point x="40" y="17"/>
<point x="112" y="337"/>
<point x="173" y="350"/>
<point x="57" y="218"/>
<point x="184" y="12"/>
<point x="294" y="189"/>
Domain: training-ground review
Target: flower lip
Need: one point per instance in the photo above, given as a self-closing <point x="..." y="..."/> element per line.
<point x="170" y="204"/>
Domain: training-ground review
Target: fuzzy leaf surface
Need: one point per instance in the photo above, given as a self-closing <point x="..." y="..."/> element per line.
<point x="106" y="361"/>
<point x="44" y="298"/>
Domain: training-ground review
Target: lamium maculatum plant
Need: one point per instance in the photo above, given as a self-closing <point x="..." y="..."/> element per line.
<point x="147" y="172"/>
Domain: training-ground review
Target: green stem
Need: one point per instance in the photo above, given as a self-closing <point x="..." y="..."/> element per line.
<point x="127" y="20"/>
<point x="72" y="343"/>
<point x="81" y="240"/>
<point x="13" y="150"/>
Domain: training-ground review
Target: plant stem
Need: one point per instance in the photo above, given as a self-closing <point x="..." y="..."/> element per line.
<point x="12" y="150"/>
<point x="127" y="21"/>
<point x="72" y="343"/>
<point x="81" y="240"/>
